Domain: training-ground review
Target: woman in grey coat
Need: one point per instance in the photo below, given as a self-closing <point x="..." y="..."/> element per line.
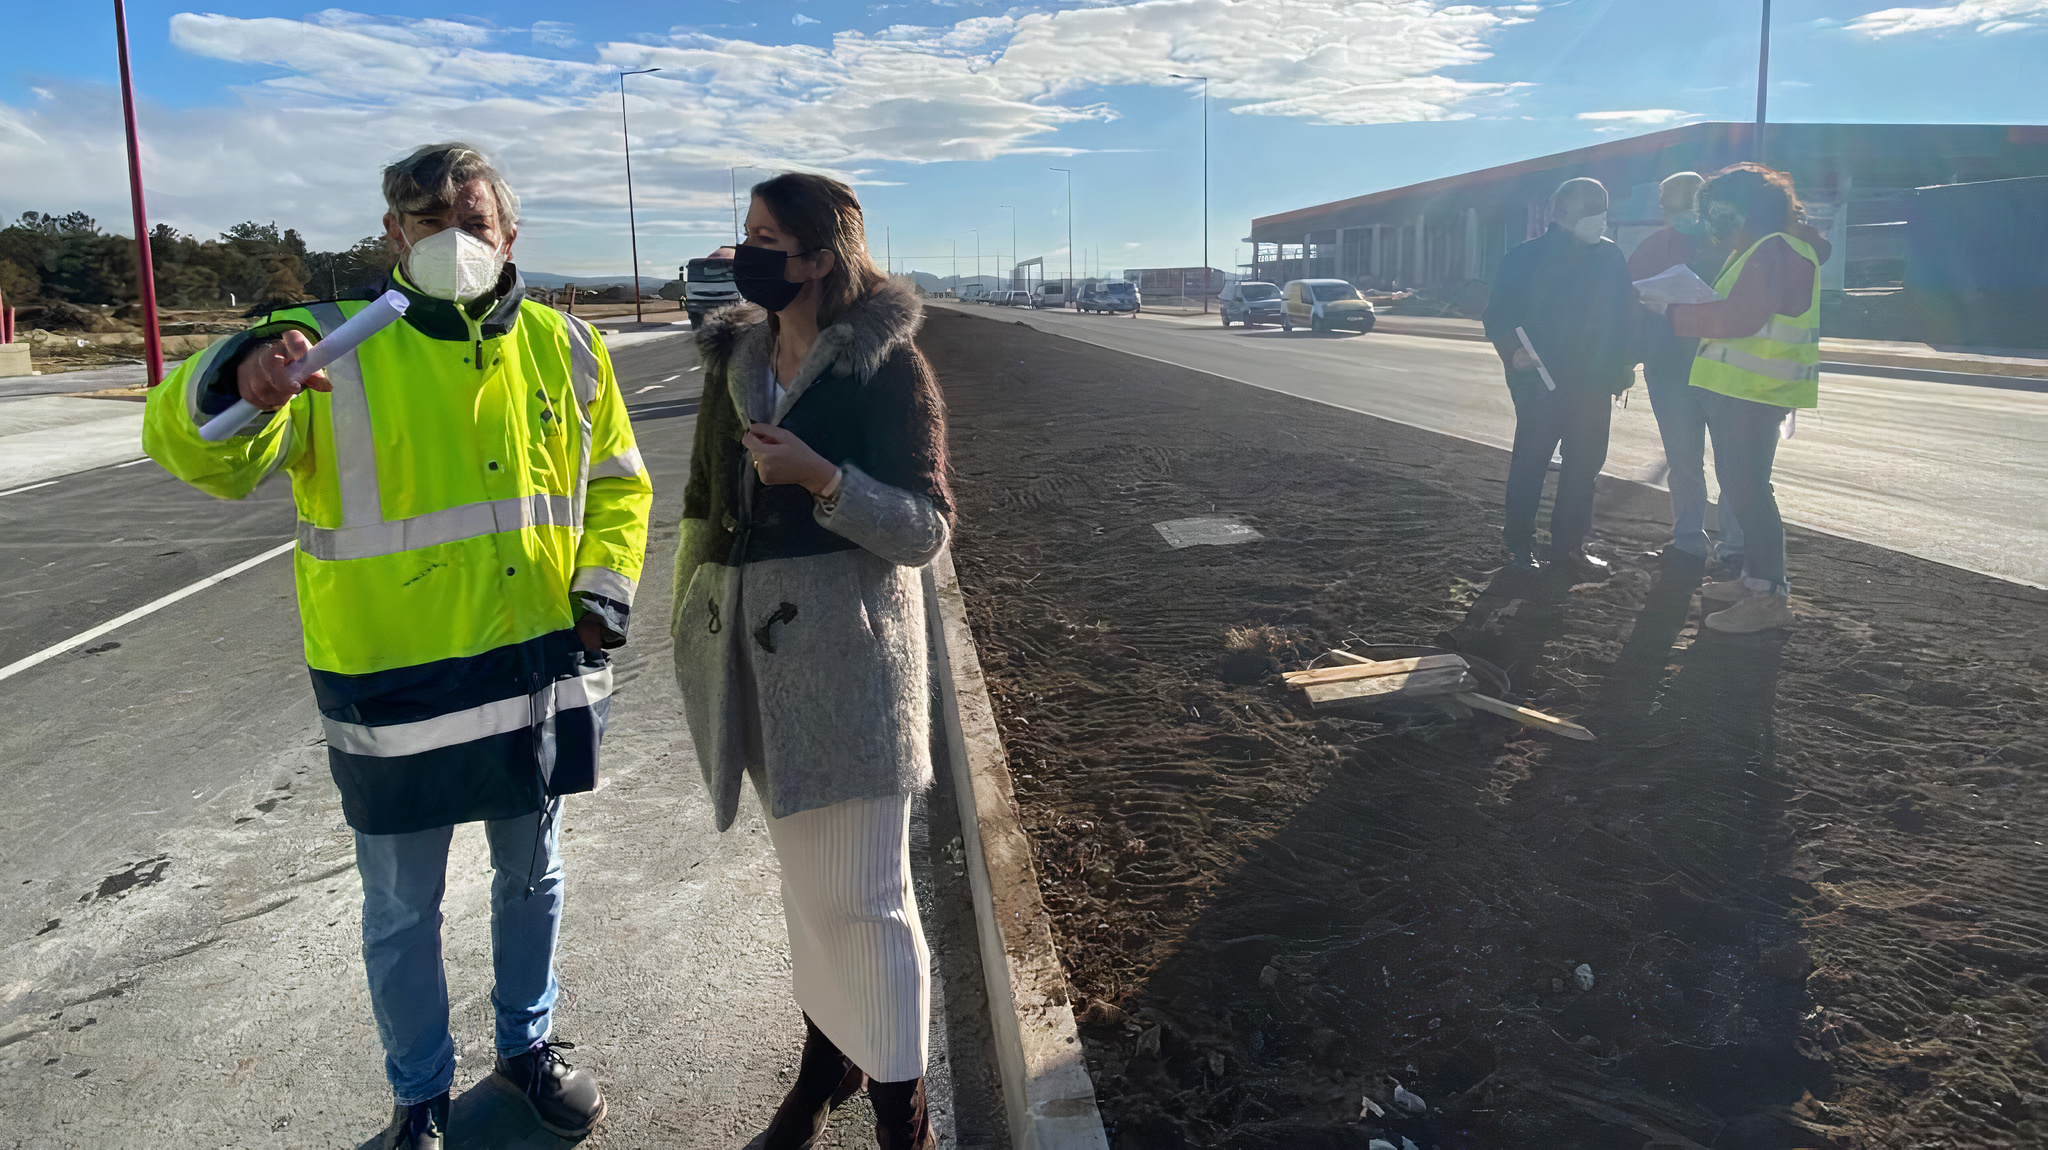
<point x="817" y="490"/>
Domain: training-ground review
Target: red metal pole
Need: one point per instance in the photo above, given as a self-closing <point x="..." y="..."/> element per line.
<point x="152" y="342"/>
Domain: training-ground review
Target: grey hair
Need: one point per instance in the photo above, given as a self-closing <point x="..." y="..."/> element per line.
<point x="429" y="179"/>
<point x="1575" y="194"/>
<point x="1687" y="184"/>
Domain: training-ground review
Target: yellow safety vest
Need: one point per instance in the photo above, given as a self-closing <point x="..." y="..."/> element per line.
<point x="1780" y="364"/>
<point x="459" y="502"/>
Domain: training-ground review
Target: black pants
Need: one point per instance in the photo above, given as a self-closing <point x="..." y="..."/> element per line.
<point x="1572" y="421"/>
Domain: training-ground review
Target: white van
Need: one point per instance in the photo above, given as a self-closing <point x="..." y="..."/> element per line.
<point x="1049" y="295"/>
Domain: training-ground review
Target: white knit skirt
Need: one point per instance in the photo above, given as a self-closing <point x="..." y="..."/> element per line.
<point x="856" y="947"/>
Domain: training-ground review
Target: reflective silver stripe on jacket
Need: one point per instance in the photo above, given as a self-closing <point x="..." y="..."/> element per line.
<point x="583" y="374"/>
<point x="457" y="727"/>
<point x="625" y="465"/>
<point x="606" y="582"/>
<point x="448" y="525"/>
<point x="1781" y="330"/>
<point x="355" y="447"/>
<point x="1784" y="369"/>
<point x="583" y="382"/>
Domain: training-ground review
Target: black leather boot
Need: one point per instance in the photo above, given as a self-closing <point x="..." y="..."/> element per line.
<point x="565" y="1100"/>
<point x="901" y="1121"/>
<point x="824" y="1079"/>
<point x="421" y="1126"/>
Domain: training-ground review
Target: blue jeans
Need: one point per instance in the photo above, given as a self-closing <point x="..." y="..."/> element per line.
<point x="1745" y="448"/>
<point x="1682" y="422"/>
<point x="404" y="877"/>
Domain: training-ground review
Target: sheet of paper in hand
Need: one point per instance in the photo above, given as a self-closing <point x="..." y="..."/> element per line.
<point x="1676" y="284"/>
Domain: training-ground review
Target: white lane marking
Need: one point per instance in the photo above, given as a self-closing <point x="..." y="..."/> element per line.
<point x="30" y="487"/>
<point x="673" y="378"/>
<point x="697" y="369"/>
<point x="84" y="637"/>
<point x="649" y="387"/>
<point x="131" y="463"/>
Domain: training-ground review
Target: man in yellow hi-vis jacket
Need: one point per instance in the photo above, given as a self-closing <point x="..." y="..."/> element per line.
<point x="472" y="521"/>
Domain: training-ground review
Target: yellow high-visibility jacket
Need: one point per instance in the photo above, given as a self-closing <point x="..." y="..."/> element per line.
<point x="467" y="492"/>
<point x="1780" y="364"/>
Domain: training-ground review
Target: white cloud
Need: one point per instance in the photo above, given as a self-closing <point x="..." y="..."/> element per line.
<point x="1636" y="119"/>
<point x="800" y="19"/>
<point x="553" y="33"/>
<point x="349" y="92"/>
<point x="1988" y="17"/>
<point x="1638" y="116"/>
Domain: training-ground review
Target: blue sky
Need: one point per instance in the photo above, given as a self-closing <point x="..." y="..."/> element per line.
<point x="941" y="113"/>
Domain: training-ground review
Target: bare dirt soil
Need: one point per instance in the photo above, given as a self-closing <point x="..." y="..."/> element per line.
<point x="1794" y="896"/>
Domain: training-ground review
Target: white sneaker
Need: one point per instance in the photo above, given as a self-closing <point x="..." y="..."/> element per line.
<point x="1731" y="591"/>
<point x="1761" y="611"/>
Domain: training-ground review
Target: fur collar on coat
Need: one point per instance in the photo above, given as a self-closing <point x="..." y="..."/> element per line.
<point x="859" y="343"/>
<point x="872" y="342"/>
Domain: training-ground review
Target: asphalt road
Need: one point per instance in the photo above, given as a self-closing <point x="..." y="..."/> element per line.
<point x="178" y="903"/>
<point x="1946" y="472"/>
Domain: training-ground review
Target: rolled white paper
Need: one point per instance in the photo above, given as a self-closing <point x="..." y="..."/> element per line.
<point x="1541" y="370"/>
<point x="382" y="313"/>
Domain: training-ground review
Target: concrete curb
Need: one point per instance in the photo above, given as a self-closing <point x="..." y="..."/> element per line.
<point x="1048" y="1096"/>
<point x="1924" y="369"/>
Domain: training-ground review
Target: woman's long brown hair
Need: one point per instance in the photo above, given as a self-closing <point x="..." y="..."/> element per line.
<point x="823" y="213"/>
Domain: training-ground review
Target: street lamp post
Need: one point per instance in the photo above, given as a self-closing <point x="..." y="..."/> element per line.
<point x="733" y="178"/>
<point x="1763" y="79"/>
<point x="152" y="342"/>
<point x="977" y="255"/>
<point x="632" y="225"/>
<point x="1205" y="183"/>
<point x="1068" y="287"/>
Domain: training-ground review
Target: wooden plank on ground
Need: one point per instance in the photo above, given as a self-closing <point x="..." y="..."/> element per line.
<point x="1371" y="670"/>
<point x="1526" y="716"/>
<point x="1387" y="688"/>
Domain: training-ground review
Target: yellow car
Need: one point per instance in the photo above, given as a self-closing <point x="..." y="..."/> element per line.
<point x="1325" y="305"/>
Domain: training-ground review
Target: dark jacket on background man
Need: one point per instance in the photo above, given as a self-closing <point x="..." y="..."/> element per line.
<point x="1577" y="304"/>
<point x="1665" y="353"/>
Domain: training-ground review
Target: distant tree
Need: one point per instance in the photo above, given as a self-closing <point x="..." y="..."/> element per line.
<point x="29" y="244"/>
<point x="90" y="268"/>
<point x="286" y="283"/>
<point x="260" y="237"/>
<point x="19" y="284"/>
<point x="336" y="274"/>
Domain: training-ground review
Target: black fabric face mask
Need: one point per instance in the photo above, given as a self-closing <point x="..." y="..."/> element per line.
<point x="757" y="272"/>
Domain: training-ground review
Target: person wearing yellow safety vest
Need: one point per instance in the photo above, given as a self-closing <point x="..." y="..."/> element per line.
<point x="1758" y="362"/>
<point x="472" y="522"/>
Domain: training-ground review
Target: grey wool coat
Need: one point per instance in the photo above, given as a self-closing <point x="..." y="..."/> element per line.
<point x="800" y="635"/>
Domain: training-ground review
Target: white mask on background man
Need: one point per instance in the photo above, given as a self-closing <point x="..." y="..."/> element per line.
<point x="1590" y="229"/>
<point x="453" y="265"/>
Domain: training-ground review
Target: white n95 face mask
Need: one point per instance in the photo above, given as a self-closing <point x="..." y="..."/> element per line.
<point x="1590" y="229"/>
<point x="453" y="265"/>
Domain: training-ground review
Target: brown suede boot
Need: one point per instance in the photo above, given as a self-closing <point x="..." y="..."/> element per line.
<point x="901" y="1122"/>
<point x="824" y="1079"/>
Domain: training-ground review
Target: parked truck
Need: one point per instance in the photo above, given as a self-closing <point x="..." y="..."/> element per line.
<point x="708" y="286"/>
